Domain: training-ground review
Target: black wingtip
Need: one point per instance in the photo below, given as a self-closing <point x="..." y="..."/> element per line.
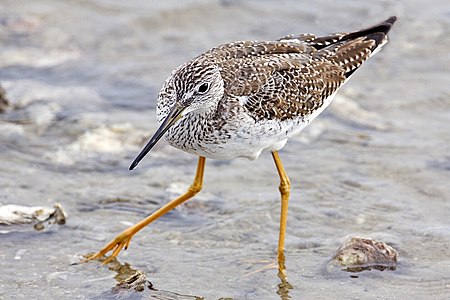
<point x="391" y="20"/>
<point x="386" y="25"/>
<point x="380" y="28"/>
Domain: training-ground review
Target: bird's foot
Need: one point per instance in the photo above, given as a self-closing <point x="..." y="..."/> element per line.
<point x="121" y="241"/>
<point x="268" y="265"/>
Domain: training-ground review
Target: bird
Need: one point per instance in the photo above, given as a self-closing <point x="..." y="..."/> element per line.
<point x="247" y="97"/>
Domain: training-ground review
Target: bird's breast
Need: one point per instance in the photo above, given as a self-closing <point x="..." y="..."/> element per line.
<point x="228" y="138"/>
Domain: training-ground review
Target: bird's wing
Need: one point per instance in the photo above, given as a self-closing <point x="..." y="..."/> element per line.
<point x="283" y="86"/>
<point x="294" y="75"/>
<point x="252" y="49"/>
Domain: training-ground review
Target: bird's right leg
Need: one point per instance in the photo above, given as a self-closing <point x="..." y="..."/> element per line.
<point x="123" y="239"/>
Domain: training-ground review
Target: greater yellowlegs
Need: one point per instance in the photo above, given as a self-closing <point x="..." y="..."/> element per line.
<point x="242" y="98"/>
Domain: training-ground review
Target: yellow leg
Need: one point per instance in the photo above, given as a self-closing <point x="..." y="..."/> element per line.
<point x="285" y="186"/>
<point x="123" y="239"/>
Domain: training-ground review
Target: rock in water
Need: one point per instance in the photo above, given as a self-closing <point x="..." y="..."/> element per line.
<point x="138" y="281"/>
<point x="360" y="254"/>
<point x="39" y="215"/>
<point x="3" y="101"/>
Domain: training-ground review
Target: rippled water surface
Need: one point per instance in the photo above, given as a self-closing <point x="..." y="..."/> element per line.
<point x="81" y="78"/>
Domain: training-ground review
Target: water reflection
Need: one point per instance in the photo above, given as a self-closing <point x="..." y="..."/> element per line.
<point x="132" y="282"/>
<point x="284" y="286"/>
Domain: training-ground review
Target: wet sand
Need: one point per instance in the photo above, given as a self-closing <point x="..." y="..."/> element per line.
<point x="81" y="79"/>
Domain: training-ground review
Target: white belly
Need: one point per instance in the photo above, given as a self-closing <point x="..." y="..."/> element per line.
<point x="246" y="138"/>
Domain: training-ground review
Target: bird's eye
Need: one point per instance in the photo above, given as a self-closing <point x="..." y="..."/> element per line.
<point x="203" y="88"/>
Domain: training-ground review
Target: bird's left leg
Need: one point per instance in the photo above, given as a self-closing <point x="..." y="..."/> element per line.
<point x="285" y="187"/>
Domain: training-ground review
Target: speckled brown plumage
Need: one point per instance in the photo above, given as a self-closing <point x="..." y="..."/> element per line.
<point x="286" y="79"/>
<point x="241" y="98"/>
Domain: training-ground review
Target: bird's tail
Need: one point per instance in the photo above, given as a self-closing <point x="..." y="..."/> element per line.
<point x="377" y="33"/>
<point x="350" y="50"/>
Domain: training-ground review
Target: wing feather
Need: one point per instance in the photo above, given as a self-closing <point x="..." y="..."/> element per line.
<point x="293" y="76"/>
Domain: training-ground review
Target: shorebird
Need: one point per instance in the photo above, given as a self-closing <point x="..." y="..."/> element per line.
<point x="243" y="98"/>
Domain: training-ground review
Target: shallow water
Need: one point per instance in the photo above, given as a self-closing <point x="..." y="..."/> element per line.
<point x="82" y="79"/>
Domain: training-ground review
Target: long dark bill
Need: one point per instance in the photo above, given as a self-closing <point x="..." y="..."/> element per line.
<point x="173" y="116"/>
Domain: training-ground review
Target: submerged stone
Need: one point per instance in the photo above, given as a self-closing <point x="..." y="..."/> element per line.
<point x="4" y="103"/>
<point x="138" y="282"/>
<point x="359" y="254"/>
<point x="39" y="215"/>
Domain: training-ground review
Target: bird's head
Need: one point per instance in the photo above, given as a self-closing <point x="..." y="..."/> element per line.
<point x="192" y="88"/>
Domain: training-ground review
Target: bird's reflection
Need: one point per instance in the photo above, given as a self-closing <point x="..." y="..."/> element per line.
<point x="129" y="278"/>
<point x="284" y="286"/>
